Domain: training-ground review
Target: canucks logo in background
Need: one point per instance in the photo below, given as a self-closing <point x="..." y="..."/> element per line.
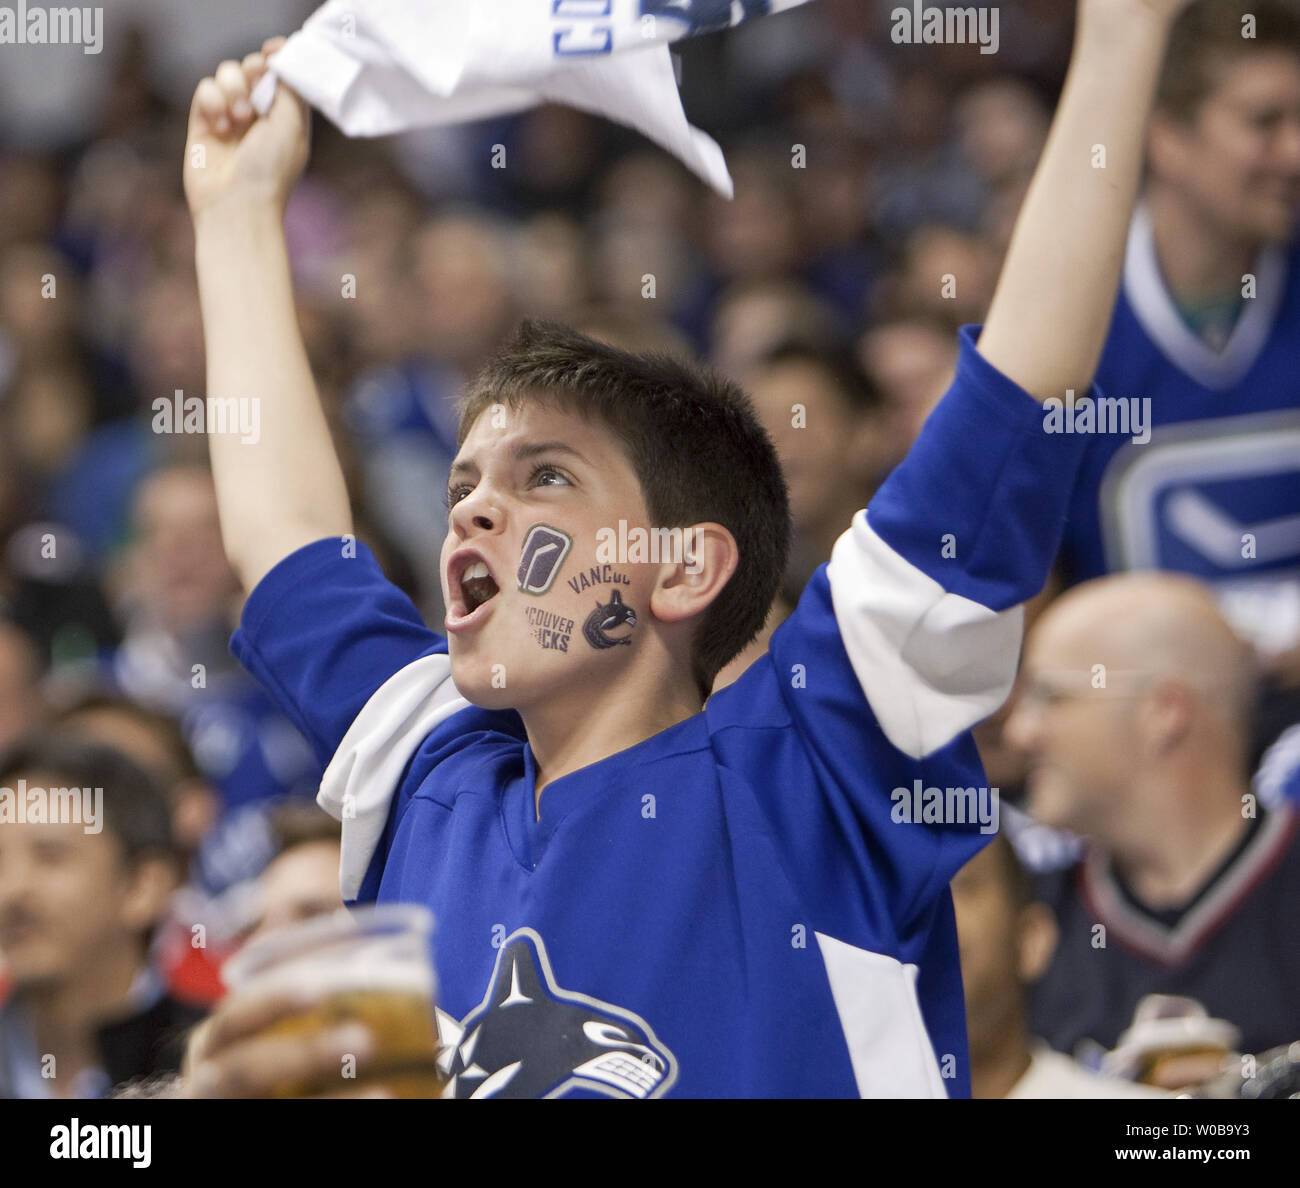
<point x="1218" y="499"/>
<point x="544" y="549"/>
<point x="529" y="1038"/>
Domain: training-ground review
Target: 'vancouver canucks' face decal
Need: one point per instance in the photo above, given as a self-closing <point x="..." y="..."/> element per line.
<point x="607" y="619"/>
<point x="530" y="1038"/>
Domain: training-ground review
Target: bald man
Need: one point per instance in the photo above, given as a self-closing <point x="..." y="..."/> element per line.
<point x="1135" y="720"/>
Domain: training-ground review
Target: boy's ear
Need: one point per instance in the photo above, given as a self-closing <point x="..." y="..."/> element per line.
<point x="687" y="588"/>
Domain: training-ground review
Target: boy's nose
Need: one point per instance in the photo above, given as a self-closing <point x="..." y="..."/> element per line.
<point x="478" y="512"/>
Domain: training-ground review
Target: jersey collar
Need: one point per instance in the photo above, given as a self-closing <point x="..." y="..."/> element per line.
<point x="1145" y="290"/>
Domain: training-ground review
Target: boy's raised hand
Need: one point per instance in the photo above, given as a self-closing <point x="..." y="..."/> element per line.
<point x="233" y="152"/>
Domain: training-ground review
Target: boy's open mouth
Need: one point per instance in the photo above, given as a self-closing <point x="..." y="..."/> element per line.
<point x="476" y="586"/>
<point x="471" y="585"/>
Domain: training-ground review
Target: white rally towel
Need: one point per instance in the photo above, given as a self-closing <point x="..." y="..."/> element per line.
<point x="376" y="67"/>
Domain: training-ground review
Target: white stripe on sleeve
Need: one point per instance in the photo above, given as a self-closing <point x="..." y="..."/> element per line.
<point x="359" y="783"/>
<point x="931" y="663"/>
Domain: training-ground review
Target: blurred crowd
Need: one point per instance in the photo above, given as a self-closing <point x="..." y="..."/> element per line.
<point x="876" y="189"/>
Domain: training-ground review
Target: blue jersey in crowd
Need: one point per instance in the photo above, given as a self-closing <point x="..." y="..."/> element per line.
<point x="740" y="904"/>
<point x="1215" y="491"/>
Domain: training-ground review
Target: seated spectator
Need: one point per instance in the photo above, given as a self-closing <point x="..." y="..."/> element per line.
<point x="302" y="880"/>
<point x="1006" y="940"/>
<point x="946" y="274"/>
<point x="751" y="318"/>
<point x="1202" y="344"/>
<point x="1135" y="715"/>
<point x="179" y="600"/>
<point x="153" y="741"/>
<point x="823" y="416"/>
<point x="79" y="899"/>
<point x="911" y="362"/>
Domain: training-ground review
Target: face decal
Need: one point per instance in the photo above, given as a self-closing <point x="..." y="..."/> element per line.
<point x="549" y="630"/>
<point x="595" y="576"/>
<point x="544" y="549"/>
<point x="606" y="618"/>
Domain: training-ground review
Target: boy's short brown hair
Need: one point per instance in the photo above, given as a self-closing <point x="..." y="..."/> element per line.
<point x="694" y="442"/>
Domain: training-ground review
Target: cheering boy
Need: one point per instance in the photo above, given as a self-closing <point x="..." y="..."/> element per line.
<point x="639" y="893"/>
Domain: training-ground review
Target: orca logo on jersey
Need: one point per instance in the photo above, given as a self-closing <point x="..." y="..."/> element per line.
<point x="609" y="617"/>
<point x="544" y="549"/>
<point x="528" y="1038"/>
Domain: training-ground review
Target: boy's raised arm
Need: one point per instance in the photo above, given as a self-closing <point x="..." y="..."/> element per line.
<point x="1048" y="321"/>
<point x="286" y="488"/>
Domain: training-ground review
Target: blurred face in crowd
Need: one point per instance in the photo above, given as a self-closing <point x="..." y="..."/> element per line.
<point x="68" y="900"/>
<point x="1004" y="945"/>
<point x="29" y="199"/>
<point x="299" y="884"/>
<point x="911" y="364"/>
<point x="183" y="574"/>
<point x="756" y="234"/>
<point x="647" y="189"/>
<point x="1131" y="685"/>
<point x="827" y="450"/>
<point x="51" y="408"/>
<point x="570" y="478"/>
<point x="619" y="252"/>
<point x="34" y="320"/>
<point x="750" y="322"/>
<point x="1238" y="157"/>
<point x="948" y="274"/>
<point x="194" y="804"/>
<point x="552" y="260"/>
<point x="1081" y="743"/>
<point x="167" y="353"/>
<point x="1002" y="126"/>
<point x="461" y="268"/>
<point x="20" y="702"/>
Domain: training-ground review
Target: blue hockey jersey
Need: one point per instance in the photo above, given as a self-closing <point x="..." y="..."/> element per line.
<point x="1215" y="491"/>
<point x="753" y="902"/>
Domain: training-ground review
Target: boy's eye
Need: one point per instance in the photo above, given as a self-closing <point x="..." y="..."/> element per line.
<point x="542" y="475"/>
<point x="548" y="476"/>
